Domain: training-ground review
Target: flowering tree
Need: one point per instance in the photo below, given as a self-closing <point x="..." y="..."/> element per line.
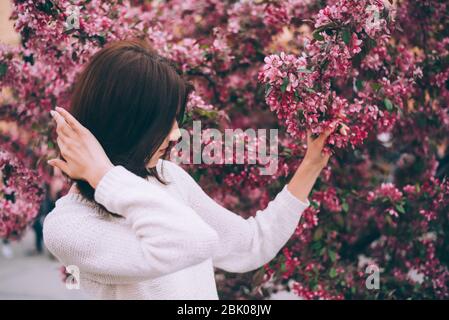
<point x="294" y="65"/>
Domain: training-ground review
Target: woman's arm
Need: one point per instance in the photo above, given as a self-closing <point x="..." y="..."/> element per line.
<point x="244" y="244"/>
<point x="247" y="244"/>
<point x="314" y="161"/>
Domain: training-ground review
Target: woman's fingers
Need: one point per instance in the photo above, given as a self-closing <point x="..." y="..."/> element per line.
<point x="67" y="146"/>
<point x="309" y="137"/>
<point x="62" y="127"/>
<point x="63" y="130"/>
<point x="63" y="147"/>
<point x="62" y="165"/>
<point x="323" y="136"/>
<point x="320" y="141"/>
<point x="318" y="144"/>
<point x="326" y="133"/>
<point x="71" y="120"/>
<point x="58" y="118"/>
<point x="68" y="139"/>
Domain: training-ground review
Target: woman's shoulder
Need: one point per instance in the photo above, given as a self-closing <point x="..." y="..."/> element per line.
<point x="74" y="217"/>
<point x="74" y="208"/>
<point x="164" y="164"/>
<point x="180" y="178"/>
<point x="173" y="169"/>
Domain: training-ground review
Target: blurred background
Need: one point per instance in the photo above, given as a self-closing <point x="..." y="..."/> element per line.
<point x="391" y="84"/>
<point x="27" y="269"/>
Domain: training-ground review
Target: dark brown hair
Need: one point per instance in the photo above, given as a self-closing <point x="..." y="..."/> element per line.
<point x="128" y="96"/>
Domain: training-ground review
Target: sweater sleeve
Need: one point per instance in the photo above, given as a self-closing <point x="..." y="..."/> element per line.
<point x="245" y="244"/>
<point x="161" y="234"/>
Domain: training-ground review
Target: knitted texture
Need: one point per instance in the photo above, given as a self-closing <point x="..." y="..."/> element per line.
<point x="166" y="240"/>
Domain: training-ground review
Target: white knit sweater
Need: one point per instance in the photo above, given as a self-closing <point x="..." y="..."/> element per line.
<point x="167" y="239"/>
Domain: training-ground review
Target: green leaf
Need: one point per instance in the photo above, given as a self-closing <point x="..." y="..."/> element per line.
<point x="332" y="255"/>
<point x="388" y="104"/>
<point x="418" y="188"/>
<point x="376" y="86"/>
<point x="3" y="69"/>
<point x="310" y="90"/>
<point x="268" y="89"/>
<point x="297" y="96"/>
<point x="346" y="36"/>
<point x="284" y="84"/>
<point x="101" y="39"/>
<point x="332" y="273"/>
<point x="313" y="284"/>
<point x="283" y="267"/>
<point x="322" y="251"/>
<point x="324" y="64"/>
<point x="46" y="7"/>
<point x="210" y="114"/>
<point x="317" y="36"/>
<point x="316" y="245"/>
<point x="301" y="119"/>
<point x="400" y="208"/>
<point x="318" y="234"/>
<point x="345" y="207"/>
<point x="196" y="175"/>
<point x="359" y="84"/>
<point x="287" y="151"/>
<point x="304" y="70"/>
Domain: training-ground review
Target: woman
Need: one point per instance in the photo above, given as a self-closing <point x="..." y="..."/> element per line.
<point x="137" y="226"/>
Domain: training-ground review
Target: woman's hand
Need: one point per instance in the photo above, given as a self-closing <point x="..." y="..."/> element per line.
<point x="84" y="157"/>
<point x="314" y="161"/>
<point x="314" y="155"/>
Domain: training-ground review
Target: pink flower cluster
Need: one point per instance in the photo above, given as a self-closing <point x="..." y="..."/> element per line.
<point x="20" y="196"/>
<point x="386" y="190"/>
<point x="302" y="89"/>
<point x="321" y="63"/>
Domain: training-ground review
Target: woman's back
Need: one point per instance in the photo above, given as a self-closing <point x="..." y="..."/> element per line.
<point x="152" y="252"/>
